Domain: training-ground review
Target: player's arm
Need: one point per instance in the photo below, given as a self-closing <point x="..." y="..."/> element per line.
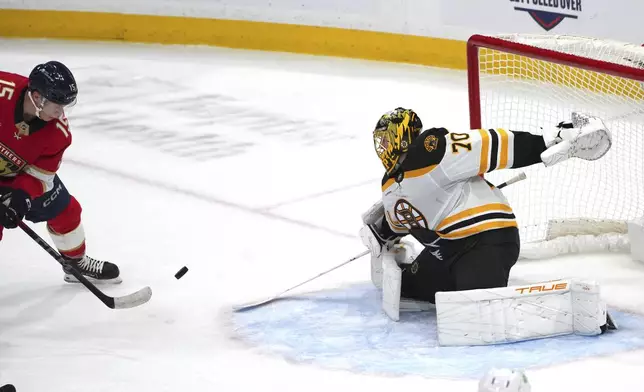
<point x="377" y="234"/>
<point x="484" y="150"/>
<point x="481" y="151"/>
<point x="38" y="177"/>
<point x="35" y="179"/>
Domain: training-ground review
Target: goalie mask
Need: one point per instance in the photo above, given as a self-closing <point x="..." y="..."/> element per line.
<point x="394" y="134"/>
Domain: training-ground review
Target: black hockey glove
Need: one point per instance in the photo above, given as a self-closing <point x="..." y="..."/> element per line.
<point x="16" y="204"/>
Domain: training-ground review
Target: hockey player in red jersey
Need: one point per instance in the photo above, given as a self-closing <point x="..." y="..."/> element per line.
<point x="34" y="135"/>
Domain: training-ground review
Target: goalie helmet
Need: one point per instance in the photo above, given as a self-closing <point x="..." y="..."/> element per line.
<point x="393" y="135"/>
<point x="504" y="380"/>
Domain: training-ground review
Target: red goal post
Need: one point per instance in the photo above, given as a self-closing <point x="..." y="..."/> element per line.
<point x="526" y="82"/>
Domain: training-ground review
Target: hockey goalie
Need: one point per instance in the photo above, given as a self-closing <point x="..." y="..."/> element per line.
<point x="434" y="190"/>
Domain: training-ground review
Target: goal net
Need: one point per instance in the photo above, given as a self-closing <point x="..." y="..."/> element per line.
<point x="530" y="82"/>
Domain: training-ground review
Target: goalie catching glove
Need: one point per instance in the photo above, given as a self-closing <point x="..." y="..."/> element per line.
<point x="585" y="137"/>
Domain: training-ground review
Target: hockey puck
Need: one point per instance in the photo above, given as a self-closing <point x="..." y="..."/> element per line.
<point x="7" y="388"/>
<point x="181" y="272"/>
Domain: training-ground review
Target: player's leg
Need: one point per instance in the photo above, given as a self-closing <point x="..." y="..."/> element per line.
<point x="482" y="310"/>
<point x="424" y="277"/>
<point x="62" y="212"/>
<point x="487" y="264"/>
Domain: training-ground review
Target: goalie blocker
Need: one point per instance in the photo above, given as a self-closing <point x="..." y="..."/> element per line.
<point x="434" y="190"/>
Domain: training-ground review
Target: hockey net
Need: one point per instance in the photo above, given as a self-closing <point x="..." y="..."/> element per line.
<point x="529" y="82"/>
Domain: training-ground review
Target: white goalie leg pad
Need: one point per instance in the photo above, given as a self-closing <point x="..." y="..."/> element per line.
<point x="68" y="241"/>
<point x="401" y="253"/>
<point x="376" y="271"/>
<point x="391" y="285"/>
<point x="373" y="216"/>
<point x="636" y="239"/>
<point x="371" y="242"/>
<point x="519" y="313"/>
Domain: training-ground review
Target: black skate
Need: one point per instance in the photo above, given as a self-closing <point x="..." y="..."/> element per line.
<point x="96" y="271"/>
<point x="610" y="324"/>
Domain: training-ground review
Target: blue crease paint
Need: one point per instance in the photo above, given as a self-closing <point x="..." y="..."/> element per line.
<point x="345" y="329"/>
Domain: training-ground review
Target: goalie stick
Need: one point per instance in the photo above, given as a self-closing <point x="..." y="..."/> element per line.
<point x="519" y="177"/>
<point x="128" y="301"/>
<point x="252" y="305"/>
<point x="256" y="304"/>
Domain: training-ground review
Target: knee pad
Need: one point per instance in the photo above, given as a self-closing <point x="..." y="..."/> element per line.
<point x="67" y="232"/>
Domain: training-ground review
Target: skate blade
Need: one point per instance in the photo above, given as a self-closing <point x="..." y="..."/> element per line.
<point x="72" y="279"/>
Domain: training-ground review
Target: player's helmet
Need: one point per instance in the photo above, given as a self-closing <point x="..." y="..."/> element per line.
<point x="394" y="134"/>
<point x="55" y="82"/>
<point x="504" y="380"/>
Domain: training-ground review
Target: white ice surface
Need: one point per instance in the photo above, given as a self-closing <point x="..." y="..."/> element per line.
<point x="281" y="209"/>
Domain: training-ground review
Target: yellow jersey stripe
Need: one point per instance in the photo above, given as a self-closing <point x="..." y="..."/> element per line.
<point x="471" y="230"/>
<point x="388" y="183"/>
<point x="410" y="174"/>
<point x="419" y="172"/>
<point x="485" y="150"/>
<point x="473" y="211"/>
<point x="503" y="161"/>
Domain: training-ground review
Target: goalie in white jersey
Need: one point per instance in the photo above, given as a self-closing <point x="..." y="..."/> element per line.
<point x="434" y="189"/>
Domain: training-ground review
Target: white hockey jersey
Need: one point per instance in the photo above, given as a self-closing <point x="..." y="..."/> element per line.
<point x="440" y="192"/>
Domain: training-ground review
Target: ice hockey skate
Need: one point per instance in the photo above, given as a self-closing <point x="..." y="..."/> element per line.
<point x="96" y="271"/>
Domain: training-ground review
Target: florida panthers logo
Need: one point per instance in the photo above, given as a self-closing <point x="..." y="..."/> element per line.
<point x="10" y="163"/>
<point x="409" y="216"/>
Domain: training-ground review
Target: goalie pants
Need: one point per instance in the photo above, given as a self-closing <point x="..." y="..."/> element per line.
<point x="484" y="261"/>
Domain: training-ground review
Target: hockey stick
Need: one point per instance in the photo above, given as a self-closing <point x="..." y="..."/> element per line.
<point x="128" y="301"/>
<point x="252" y="305"/>
<point x="519" y="177"/>
<point x="256" y="304"/>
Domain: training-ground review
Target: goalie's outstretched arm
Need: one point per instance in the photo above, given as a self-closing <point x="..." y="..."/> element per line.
<point x="484" y="150"/>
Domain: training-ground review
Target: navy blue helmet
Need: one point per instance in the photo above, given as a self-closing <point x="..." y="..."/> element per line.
<point x="55" y="82"/>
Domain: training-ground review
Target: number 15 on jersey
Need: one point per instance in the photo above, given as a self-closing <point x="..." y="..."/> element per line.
<point x="7" y="89"/>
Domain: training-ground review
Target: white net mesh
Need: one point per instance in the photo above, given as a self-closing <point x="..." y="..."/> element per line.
<point x="518" y="92"/>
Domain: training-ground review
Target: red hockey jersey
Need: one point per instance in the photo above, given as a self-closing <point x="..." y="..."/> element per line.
<point x="30" y="150"/>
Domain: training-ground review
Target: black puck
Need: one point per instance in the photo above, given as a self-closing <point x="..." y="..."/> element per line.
<point x="178" y="275"/>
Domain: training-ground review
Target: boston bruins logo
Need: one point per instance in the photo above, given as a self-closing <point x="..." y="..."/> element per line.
<point x="431" y="143"/>
<point x="409" y="216"/>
